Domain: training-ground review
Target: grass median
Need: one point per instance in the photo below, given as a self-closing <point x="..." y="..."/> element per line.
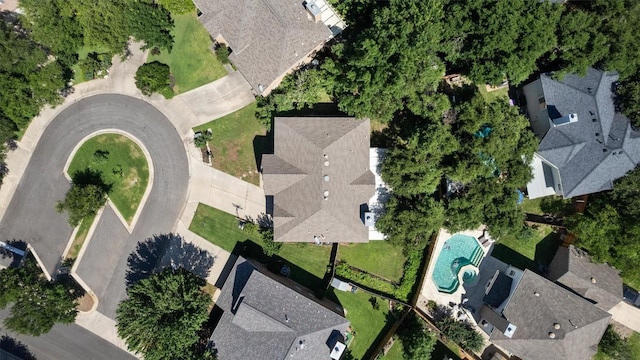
<point x="121" y="163"/>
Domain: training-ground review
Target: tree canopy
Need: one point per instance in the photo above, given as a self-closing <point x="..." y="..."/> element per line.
<point x="87" y="195"/>
<point x="608" y="229"/>
<point x="37" y="303"/>
<point x="163" y="314"/>
<point x="66" y="26"/>
<point x="153" y="77"/>
<point x="391" y="63"/>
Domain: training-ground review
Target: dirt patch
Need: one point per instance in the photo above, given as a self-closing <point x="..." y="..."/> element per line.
<point x="232" y="152"/>
<point x="622" y="330"/>
<point x="135" y="151"/>
<point x="132" y="179"/>
<point x="85" y="303"/>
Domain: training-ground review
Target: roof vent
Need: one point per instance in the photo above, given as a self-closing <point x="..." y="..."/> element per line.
<point x="593" y="280"/>
<point x="325" y="178"/>
<point x="313" y="10"/>
<point x="536" y="293"/>
<point x="556" y="326"/>
<point x="369" y="219"/>
<point x="326" y="163"/>
<point x="552" y="335"/>
<point x="325" y="194"/>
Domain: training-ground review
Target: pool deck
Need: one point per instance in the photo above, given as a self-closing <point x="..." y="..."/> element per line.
<point x="429" y="289"/>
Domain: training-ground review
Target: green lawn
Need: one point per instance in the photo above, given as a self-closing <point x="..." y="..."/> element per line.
<point x="124" y="167"/>
<point x="527" y="253"/>
<point x="192" y="62"/>
<point x="396" y="352"/>
<point x="81" y="236"/>
<point x="366" y="321"/>
<point x="239" y="140"/>
<point x="377" y="257"/>
<point x="308" y="261"/>
<point x="547" y="205"/>
<point x="502" y="94"/>
<point x="634" y="343"/>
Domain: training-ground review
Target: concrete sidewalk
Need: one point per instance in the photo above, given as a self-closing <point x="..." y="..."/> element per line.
<point x="627" y="315"/>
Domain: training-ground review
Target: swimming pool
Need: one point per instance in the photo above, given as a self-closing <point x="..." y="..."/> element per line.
<point x="458" y="251"/>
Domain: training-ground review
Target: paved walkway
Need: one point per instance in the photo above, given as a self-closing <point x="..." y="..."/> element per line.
<point x="185" y="111"/>
<point x="627" y="315"/>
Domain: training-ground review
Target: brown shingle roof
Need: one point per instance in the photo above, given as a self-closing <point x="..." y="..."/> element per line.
<point x="536" y="305"/>
<point x="267" y="37"/>
<point x="313" y="157"/>
<point x="599" y="283"/>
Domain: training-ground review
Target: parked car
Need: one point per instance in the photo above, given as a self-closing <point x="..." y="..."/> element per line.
<point x="631" y="295"/>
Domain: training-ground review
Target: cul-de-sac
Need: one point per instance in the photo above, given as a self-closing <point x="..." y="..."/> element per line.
<point x="319" y="179"/>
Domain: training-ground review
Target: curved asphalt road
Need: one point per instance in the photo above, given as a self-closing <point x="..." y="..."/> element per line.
<point x="32" y="217"/>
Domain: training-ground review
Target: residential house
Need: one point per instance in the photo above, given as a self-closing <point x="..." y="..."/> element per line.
<point x="598" y="283"/>
<point x="585" y="143"/>
<point x="536" y="319"/>
<point x="269" y="38"/>
<point x="319" y="179"/>
<point x="264" y="319"/>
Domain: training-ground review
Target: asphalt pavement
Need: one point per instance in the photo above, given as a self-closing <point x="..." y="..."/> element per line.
<point x="68" y="342"/>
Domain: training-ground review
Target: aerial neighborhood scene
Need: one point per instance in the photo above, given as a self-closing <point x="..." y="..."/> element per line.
<point x="320" y="179"/>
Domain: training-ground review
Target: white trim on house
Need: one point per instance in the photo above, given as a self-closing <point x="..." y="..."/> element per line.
<point x="538" y="186"/>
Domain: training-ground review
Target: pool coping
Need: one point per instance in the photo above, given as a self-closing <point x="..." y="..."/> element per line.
<point x="429" y="288"/>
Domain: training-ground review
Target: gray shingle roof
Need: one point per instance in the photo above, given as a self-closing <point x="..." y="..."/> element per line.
<point x="574" y="269"/>
<point x="581" y="323"/>
<point x="597" y="149"/>
<point x="312" y="157"/>
<point x="263" y="319"/>
<point x="267" y="37"/>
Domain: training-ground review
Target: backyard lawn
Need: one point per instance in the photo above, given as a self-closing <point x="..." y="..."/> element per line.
<point x="377" y="257"/>
<point x="367" y="322"/>
<point x="547" y="205"/>
<point x="490" y="96"/>
<point x="308" y="262"/>
<point x="634" y="344"/>
<point x="396" y="352"/>
<point x="192" y="62"/>
<point x="528" y="253"/>
<point x="238" y="142"/>
<point x="122" y="165"/>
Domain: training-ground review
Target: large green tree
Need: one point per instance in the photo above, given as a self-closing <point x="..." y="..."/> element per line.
<point x="497" y="38"/>
<point x="609" y="229"/>
<point x="163" y="314"/>
<point x="490" y="165"/>
<point x="417" y="341"/>
<point x="390" y="62"/>
<point x="37" y="303"/>
<point x="82" y="201"/>
<point x="65" y="26"/>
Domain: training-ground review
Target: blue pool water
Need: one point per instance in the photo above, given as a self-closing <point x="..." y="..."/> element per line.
<point x="458" y="251"/>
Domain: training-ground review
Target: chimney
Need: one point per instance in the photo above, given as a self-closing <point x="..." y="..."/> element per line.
<point x="313" y="10"/>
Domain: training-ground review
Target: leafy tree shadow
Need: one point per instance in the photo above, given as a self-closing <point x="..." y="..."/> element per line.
<point x="91" y="177"/>
<point x="16" y="348"/>
<point x="166" y="250"/>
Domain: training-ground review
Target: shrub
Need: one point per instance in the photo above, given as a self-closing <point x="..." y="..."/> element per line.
<point x="222" y="53"/>
<point x="153" y="77"/>
<point x="461" y="333"/>
<point x="269" y="246"/>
